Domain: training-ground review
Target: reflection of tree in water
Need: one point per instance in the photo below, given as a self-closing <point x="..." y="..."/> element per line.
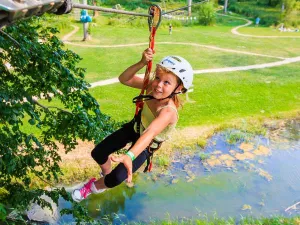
<point x="109" y="203"/>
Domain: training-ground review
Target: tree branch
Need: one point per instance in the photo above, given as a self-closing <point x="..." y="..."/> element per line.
<point x="10" y="37"/>
<point x="47" y="108"/>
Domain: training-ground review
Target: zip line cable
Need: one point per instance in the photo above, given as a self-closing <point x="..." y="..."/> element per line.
<point x="184" y="7"/>
<point x="97" y="8"/>
<point x="82" y="6"/>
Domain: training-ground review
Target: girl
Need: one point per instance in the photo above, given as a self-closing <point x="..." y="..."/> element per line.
<point x="173" y="75"/>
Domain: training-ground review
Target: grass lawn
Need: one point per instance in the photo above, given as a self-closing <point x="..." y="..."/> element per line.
<point x="218" y="35"/>
<point x="104" y="63"/>
<point x="220" y="97"/>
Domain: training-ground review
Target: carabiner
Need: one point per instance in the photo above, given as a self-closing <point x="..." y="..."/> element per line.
<point x="154" y="20"/>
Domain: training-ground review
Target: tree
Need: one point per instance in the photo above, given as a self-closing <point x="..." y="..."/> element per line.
<point x="288" y="6"/>
<point x="206" y="14"/>
<point x="40" y="66"/>
<point x="189" y="3"/>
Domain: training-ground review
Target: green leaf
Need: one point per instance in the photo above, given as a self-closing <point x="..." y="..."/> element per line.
<point x="31" y="121"/>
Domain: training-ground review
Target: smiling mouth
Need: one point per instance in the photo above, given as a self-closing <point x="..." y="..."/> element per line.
<point x="157" y="91"/>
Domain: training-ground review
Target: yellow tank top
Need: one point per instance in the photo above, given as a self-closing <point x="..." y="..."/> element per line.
<point x="146" y="119"/>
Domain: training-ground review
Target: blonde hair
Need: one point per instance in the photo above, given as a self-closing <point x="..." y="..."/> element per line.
<point x="175" y="98"/>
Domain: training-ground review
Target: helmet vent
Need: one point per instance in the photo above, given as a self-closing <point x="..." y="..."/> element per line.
<point x="182" y="70"/>
<point x="176" y="58"/>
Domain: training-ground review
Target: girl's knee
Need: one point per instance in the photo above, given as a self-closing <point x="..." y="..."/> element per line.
<point x="94" y="154"/>
<point x="99" y="156"/>
<point x="114" y="179"/>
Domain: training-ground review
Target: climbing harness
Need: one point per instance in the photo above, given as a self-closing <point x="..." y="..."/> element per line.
<point x="153" y="22"/>
<point x="150" y="148"/>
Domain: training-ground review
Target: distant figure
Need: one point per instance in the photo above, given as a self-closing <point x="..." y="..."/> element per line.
<point x="257" y="21"/>
<point x="170" y="29"/>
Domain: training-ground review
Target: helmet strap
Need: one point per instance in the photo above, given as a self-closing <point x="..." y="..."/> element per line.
<point x="143" y="98"/>
<point x="172" y="94"/>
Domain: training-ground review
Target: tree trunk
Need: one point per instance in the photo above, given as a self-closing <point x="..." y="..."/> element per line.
<point x="225" y="6"/>
<point x="189" y="2"/>
<point x="282" y="7"/>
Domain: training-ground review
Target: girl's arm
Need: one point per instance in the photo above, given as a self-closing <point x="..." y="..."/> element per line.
<point x="129" y="78"/>
<point x="165" y="117"/>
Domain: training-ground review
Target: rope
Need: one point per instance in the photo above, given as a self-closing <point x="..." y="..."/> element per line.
<point x="153" y="22"/>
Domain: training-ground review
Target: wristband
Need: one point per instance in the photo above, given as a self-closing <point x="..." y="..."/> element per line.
<point x="131" y="155"/>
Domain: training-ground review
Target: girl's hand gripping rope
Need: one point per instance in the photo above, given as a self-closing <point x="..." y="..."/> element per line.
<point x="147" y="56"/>
<point x="127" y="161"/>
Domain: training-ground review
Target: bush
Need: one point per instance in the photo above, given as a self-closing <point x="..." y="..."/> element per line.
<point x="269" y="20"/>
<point x="206" y="14"/>
<point x="269" y="16"/>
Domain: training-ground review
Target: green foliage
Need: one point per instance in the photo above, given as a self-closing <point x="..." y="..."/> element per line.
<point x="129" y="4"/>
<point x="39" y="66"/>
<point x="203" y="155"/>
<point x="206" y="14"/>
<point x="3" y="213"/>
<point x="269" y="16"/>
<point x="291" y="13"/>
<point x="269" y="11"/>
<point x="235" y="136"/>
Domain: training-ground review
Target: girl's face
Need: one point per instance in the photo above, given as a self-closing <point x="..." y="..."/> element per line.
<point x="164" y="84"/>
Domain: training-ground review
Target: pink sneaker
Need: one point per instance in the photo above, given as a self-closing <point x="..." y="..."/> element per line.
<point x="82" y="193"/>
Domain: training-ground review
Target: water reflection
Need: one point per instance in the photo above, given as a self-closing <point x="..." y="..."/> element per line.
<point x="110" y="205"/>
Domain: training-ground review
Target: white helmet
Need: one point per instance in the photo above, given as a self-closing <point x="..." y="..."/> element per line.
<point x="180" y="67"/>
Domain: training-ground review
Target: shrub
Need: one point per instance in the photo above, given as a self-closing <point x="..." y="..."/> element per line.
<point x="206" y="14"/>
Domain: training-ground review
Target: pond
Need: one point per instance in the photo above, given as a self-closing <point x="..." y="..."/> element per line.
<point x="236" y="174"/>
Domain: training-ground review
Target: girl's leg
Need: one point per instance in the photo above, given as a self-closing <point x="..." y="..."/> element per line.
<point x="119" y="174"/>
<point x="106" y="167"/>
<point x="112" y="143"/>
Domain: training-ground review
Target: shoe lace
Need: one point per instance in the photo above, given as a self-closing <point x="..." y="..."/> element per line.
<point x="86" y="189"/>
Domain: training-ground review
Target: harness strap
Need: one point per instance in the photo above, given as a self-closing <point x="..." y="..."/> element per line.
<point x="151" y="151"/>
<point x="137" y="120"/>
